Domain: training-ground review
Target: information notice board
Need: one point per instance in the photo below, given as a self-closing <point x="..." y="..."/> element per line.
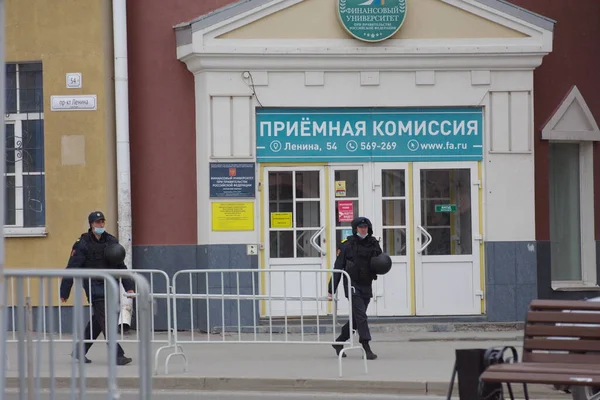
<point x="232" y="180"/>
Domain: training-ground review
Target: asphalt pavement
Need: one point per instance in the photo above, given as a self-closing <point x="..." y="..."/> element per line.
<point x="409" y="364"/>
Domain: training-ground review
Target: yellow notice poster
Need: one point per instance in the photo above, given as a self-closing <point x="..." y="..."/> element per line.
<point x="233" y="216"/>
<point x="281" y="220"/>
<point x="340" y="188"/>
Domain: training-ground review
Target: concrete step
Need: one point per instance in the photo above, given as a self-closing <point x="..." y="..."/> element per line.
<point x="290" y="385"/>
<point x="324" y="327"/>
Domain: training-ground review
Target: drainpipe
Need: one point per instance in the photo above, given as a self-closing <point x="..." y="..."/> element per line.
<point x="3" y="332"/>
<point x="119" y="13"/>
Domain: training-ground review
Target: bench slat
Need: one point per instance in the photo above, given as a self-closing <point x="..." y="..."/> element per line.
<point x="561" y="358"/>
<point x="561" y="344"/>
<point x="546" y="368"/>
<point x="564" y="305"/>
<point x="562" y="331"/>
<point x="534" y="377"/>
<point x="564" y="317"/>
<point x="558" y="355"/>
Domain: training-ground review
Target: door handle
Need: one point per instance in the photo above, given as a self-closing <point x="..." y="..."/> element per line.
<point x="428" y="242"/>
<point x="313" y="241"/>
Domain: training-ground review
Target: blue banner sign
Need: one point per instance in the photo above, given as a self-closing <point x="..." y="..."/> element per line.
<point x="369" y="134"/>
<point x="232" y="180"/>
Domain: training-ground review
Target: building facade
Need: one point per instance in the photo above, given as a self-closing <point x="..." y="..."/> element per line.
<point x="431" y="133"/>
<point x="60" y="151"/>
<point x="260" y="128"/>
<point x="567" y="154"/>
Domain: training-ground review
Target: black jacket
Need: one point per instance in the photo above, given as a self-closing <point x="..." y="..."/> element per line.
<point x="88" y="252"/>
<point x="354" y="256"/>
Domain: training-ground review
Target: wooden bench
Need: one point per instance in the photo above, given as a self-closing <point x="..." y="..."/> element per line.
<point x="555" y="351"/>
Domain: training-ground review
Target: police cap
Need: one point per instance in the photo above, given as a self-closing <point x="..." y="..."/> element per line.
<point x="95" y="216"/>
<point x="362" y="222"/>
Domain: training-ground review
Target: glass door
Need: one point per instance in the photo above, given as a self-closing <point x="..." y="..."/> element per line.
<point x="347" y="186"/>
<point x="295" y="221"/>
<point x="392" y="293"/>
<point x="346" y="192"/>
<point x="447" y="264"/>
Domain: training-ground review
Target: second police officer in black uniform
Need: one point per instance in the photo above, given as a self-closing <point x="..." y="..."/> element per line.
<point x="88" y="252"/>
<point x="354" y="256"/>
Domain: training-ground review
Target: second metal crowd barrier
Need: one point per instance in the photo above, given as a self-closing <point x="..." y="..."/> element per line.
<point x="218" y="306"/>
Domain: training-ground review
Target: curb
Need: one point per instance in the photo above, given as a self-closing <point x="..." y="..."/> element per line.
<point x="466" y="339"/>
<point x="377" y="327"/>
<point x="282" y="385"/>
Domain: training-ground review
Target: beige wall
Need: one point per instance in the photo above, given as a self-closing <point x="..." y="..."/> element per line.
<point x="426" y="19"/>
<point x="68" y="36"/>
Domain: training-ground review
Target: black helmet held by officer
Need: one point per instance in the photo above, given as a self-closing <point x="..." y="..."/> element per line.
<point x="89" y="251"/>
<point x="354" y="256"/>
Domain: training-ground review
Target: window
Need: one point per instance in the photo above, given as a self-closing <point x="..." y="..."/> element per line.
<point x="565" y="212"/>
<point x="571" y="210"/>
<point x="393" y="207"/>
<point x="572" y="131"/>
<point x="347" y="200"/>
<point x="25" y="212"/>
<point x="295" y="210"/>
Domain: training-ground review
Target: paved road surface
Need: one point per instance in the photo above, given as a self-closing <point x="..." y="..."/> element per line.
<point x="165" y="395"/>
<point x="410" y="364"/>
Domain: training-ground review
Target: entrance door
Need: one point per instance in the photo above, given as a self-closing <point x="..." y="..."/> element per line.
<point x="392" y="294"/>
<point x="447" y="274"/>
<point x="379" y="192"/>
<point x="295" y="217"/>
<point x="348" y="194"/>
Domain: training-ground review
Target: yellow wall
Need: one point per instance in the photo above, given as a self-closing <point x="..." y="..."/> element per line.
<point x="425" y="19"/>
<point x="68" y="36"/>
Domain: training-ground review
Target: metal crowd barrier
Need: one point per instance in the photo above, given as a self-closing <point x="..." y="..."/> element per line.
<point x="216" y="290"/>
<point x="61" y="330"/>
<point x="29" y="350"/>
<point x="226" y="303"/>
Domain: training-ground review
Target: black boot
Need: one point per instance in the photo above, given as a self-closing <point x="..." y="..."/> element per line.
<point x="122" y="360"/>
<point x="368" y="351"/>
<point x="339" y="347"/>
<point x="85" y="359"/>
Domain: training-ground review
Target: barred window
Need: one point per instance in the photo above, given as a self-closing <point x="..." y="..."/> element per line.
<point x="25" y="172"/>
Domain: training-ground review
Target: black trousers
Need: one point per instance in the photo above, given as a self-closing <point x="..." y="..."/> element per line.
<point x="359" y="320"/>
<point x="98" y="324"/>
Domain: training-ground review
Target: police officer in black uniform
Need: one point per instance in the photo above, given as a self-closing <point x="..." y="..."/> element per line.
<point x="88" y="252"/>
<point x="354" y="256"/>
